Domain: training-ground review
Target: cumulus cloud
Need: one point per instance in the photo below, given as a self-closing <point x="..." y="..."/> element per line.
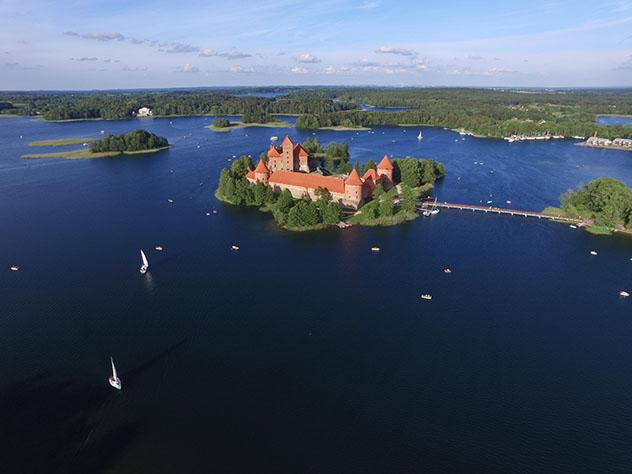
<point x="394" y="50"/>
<point x="299" y="70"/>
<point x="306" y="58"/>
<point x="190" y="68"/>
<point x="231" y="55"/>
<point x="241" y="69"/>
<point x="98" y="36"/>
<point x="498" y="71"/>
<point x="85" y="59"/>
<point x="339" y="70"/>
<point x="181" y="48"/>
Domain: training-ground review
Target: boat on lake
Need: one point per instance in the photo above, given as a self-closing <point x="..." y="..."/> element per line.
<point x="15" y="268"/>
<point x="234" y="247"/>
<point x="624" y="294"/>
<point x="426" y="296"/>
<point x="420" y="137"/>
<point x="375" y="249"/>
<point x="592" y="252"/>
<point x="114" y="380"/>
<point x="145" y="266"/>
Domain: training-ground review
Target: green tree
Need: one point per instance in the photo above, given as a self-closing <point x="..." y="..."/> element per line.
<point x="387" y="206"/>
<point x="408" y="199"/>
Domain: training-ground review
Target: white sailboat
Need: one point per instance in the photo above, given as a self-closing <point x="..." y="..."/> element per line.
<point x="435" y="209"/>
<point x="114" y="380"/>
<point x="419" y="137"/>
<point x="145" y="266"/>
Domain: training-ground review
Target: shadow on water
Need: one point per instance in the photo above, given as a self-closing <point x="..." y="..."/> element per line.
<point x="46" y="427"/>
<point x="52" y="426"/>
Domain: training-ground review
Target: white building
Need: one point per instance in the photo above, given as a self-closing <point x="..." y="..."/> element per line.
<point x="626" y="142"/>
<point x="144" y="112"/>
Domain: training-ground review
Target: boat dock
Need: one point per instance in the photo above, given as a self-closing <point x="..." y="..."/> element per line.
<point x="425" y="204"/>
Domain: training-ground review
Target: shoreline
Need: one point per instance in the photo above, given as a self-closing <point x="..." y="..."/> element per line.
<point x="606" y="147"/>
<point x="87" y="154"/>
<point x="238" y="125"/>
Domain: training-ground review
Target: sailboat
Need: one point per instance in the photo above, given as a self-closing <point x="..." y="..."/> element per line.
<point x="145" y="266"/>
<point x="434" y="210"/>
<point x="114" y="380"/>
<point x="419" y="137"/>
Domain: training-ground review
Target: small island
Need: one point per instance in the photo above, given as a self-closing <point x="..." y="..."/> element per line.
<point x="604" y="205"/>
<point x="63" y="142"/>
<point x="132" y="143"/>
<point x="221" y="124"/>
<point x="308" y="188"/>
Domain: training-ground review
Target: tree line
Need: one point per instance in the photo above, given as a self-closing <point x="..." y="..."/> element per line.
<point x="606" y="200"/>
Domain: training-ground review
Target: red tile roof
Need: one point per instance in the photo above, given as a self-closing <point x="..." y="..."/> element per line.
<point x="261" y="167"/>
<point x="287" y="140"/>
<point x="273" y="152"/>
<point x="371" y="174"/>
<point x="250" y="174"/>
<point x="385" y="164"/>
<point x="354" y="178"/>
<point x="300" y="150"/>
<point x="309" y="181"/>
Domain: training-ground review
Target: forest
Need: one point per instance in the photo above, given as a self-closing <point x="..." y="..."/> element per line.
<point x="485" y="112"/>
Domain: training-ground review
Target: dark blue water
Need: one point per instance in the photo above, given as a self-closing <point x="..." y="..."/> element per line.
<point x="614" y="120"/>
<point x="306" y="352"/>
<point x="372" y="108"/>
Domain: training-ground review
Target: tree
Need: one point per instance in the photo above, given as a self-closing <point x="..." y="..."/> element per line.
<point x="331" y="213"/>
<point x="221" y="122"/>
<point x="304" y="214"/>
<point x="322" y="193"/>
<point x="409" y="199"/>
<point x="259" y="193"/>
<point x="387" y="207"/>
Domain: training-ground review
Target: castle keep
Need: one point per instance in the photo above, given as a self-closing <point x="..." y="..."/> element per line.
<point x="288" y="168"/>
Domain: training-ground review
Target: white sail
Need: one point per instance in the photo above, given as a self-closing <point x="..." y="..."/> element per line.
<point x="419" y="137"/>
<point x="114" y="376"/>
<point x="145" y="262"/>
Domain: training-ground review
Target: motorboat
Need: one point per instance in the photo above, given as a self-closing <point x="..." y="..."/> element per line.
<point x="592" y="252"/>
<point x="426" y="296"/>
<point x="234" y="247"/>
<point x="624" y="294"/>
<point x="375" y="249"/>
<point x="15" y="268"/>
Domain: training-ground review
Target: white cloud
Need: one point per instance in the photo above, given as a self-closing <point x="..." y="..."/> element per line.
<point x="394" y="50"/>
<point x="208" y="53"/>
<point x="306" y="58"/>
<point x="299" y="70"/>
<point x="190" y="68"/>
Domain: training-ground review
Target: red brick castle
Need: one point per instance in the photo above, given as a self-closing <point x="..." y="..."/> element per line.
<point x="288" y="168"/>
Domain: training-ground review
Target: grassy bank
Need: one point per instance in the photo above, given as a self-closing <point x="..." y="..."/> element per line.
<point x="87" y="154"/>
<point x="62" y="142"/>
<point x="235" y="125"/>
<point x="399" y="218"/>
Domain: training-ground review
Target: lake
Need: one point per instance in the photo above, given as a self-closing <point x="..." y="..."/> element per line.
<point x="306" y="352"/>
<point x="614" y="120"/>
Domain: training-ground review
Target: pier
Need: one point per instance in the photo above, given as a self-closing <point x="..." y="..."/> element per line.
<point x="423" y="205"/>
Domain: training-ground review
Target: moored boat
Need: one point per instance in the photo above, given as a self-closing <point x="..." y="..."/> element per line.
<point x="145" y="266"/>
<point x="114" y="380"/>
<point x="426" y="296"/>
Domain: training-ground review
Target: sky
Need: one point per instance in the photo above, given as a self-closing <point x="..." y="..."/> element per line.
<point x="111" y="44"/>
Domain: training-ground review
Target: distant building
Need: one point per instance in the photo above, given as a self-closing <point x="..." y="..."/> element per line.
<point x="288" y="168"/>
<point x="624" y="142"/>
<point x="596" y="141"/>
<point x="144" y="112"/>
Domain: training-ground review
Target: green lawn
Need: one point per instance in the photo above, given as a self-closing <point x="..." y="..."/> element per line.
<point x="62" y="142"/>
<point x="86" y="153"/>
<point x="234" y="125"/>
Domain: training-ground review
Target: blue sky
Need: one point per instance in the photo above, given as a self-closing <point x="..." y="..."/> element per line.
<point x="129" y="44"/>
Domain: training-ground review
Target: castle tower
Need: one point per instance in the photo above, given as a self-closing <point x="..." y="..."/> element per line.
<point x="353" y="189"/>
<point x="287" y="155"/>
<point x="262" y="173"/>
<point x="385" y="168"/>
<point x="274" y="158"/>
<point x="302" y="158"/>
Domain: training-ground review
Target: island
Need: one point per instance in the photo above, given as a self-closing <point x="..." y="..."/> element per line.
<point x="604" y="205"/>
<point x="132" y="143"/>
<point x="63" y="142"/>
<point x="302" y="194"/>
<point x="224" y="125"/>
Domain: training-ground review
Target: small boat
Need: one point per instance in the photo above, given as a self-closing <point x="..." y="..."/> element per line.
<point x="114" y="380"/>
<point x="234" y="247"/>
<point x="592" y="252"/>
<point x="624" y="294"/>
<point x="426" y="296"/>
<point x="214" y="211"/>
<point x="170" y="200"/>
<point x="434" y="211"/>
<point x="507" y="202"/>
<point x="375" y="249"/>
<point x="573" y="226"/>
<point x="447" y="270"/>
<point x="208" y="213"/>
<point x="159" y="248"/>
<point x="15" y="268"/>
<point x="145" y="266"/>
<point x="102" y="132"/>
<point x="274" y="138"/>
<point x="420" y="137"/>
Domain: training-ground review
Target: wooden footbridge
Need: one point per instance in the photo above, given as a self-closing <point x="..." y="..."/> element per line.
<point x="425" y="204"/>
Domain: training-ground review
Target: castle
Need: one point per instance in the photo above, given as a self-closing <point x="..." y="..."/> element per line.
<point x="288" y="168"/>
